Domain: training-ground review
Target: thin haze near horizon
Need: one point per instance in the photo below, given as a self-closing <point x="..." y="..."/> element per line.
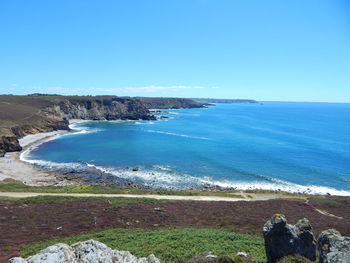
<point x="292" y="50"/>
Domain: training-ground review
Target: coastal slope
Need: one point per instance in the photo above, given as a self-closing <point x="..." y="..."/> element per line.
<point x="170" y="103"/>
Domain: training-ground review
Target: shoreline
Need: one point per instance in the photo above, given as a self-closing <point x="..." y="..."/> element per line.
<point x="15" y="166"/>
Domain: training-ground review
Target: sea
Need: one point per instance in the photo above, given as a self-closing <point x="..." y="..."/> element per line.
<point x="286" y="146"/>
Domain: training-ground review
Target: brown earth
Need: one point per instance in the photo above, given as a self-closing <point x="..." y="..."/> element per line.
<point x="22" y="223"/>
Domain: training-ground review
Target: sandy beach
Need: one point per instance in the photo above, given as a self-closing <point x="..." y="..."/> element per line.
<point x="13" y="167"/>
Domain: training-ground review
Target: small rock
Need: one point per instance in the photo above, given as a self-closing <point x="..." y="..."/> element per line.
<point x="242" y="254"/>
<point x="210" y="256"/>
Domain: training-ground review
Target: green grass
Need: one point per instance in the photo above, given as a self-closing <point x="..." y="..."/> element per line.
<point x="50" y="199"/>
<point x="168" y="244"/>
<point x="10" y="186"/>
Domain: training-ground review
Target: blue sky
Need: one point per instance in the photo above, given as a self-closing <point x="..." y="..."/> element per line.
<point x="291" y="50"/>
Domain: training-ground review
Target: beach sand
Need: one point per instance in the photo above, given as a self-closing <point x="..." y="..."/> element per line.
<point x="13" y="167"/>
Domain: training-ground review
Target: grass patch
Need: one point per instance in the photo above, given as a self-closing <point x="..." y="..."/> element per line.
<point x="170" y="245"/>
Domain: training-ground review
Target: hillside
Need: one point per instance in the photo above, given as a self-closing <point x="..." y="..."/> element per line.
<point x="170" y="103"/>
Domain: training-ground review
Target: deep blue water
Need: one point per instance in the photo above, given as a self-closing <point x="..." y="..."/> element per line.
<point x="288" y="146"/>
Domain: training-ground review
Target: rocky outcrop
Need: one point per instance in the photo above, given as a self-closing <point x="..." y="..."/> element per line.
<point x="282" y="239"/>
<point x="333" y="247"/>
<point x="9" y="143"/>
<point x="46" y="123"/>
<point x="89" y="251"/>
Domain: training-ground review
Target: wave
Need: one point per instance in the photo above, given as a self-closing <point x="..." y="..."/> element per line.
<point x="145" y="122"/>
<point x="178" y="134"/>
<point x="163" y="177"/>
<point x="182" y="113"/>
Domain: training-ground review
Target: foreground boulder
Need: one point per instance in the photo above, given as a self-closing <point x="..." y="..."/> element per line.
<point x="333" y="247"/>
<point x="282" y="239"/>
<point x="89" y="251"/>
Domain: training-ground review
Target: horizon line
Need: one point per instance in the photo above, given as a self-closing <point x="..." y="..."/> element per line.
<point x="109" y="95"/>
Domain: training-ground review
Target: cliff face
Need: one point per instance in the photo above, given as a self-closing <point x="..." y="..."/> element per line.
<point x="20" y="116"/>
<point x="86" y="108"/>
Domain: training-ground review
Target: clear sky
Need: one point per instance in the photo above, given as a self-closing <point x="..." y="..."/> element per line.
<point x="291" y="50"/>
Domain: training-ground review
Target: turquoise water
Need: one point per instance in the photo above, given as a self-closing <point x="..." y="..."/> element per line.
<point x="297" y="147"/>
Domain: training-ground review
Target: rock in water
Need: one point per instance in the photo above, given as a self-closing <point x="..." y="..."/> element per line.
<point x="333" y="247"/>
<point x="282" y="239"/>
<point x="89" y="251"/>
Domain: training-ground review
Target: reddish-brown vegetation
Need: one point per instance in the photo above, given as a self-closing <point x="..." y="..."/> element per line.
<point x="33" y="222"/>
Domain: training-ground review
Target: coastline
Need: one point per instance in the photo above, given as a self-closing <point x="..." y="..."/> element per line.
<point x="14" y="167"/>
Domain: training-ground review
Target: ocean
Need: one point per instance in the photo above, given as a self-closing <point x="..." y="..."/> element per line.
<point x="294" y="147"/>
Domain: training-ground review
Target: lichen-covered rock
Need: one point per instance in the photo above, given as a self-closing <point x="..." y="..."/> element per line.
<point x="282" y="239"/>
<point x="17" y="260"/>
<point x="333" y="247"/>
<point x="89" y="251"/>
<point x="59" y="253"/>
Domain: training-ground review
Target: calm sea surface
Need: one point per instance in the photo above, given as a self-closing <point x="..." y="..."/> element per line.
<point x="287" y="146"/>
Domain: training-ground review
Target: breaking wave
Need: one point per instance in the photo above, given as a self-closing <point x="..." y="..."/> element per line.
<point x="178" y="134"/>
<point x="163" y="177"/>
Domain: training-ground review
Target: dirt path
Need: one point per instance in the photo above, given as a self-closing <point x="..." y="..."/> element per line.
<point x="322" y="212"/>
<point x="251" y="197"/>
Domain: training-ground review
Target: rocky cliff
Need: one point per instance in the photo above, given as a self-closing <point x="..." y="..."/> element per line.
<point x="100" y="108"/>
<point x="23" y="115"/>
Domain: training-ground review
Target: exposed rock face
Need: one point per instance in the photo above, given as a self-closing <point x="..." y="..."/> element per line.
<point x="89" y="251"/>
<point x="96" y="108"/>
<point x="282" y="239"/>
<point x="333" y="247"/>
<point x="9" y="144"/>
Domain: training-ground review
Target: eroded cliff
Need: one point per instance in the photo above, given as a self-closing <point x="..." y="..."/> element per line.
<point x="23" y="115"/>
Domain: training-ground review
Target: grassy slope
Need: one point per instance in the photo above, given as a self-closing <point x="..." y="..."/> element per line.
<point x="168" y="244"/>
<point x="19" y="110"/>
